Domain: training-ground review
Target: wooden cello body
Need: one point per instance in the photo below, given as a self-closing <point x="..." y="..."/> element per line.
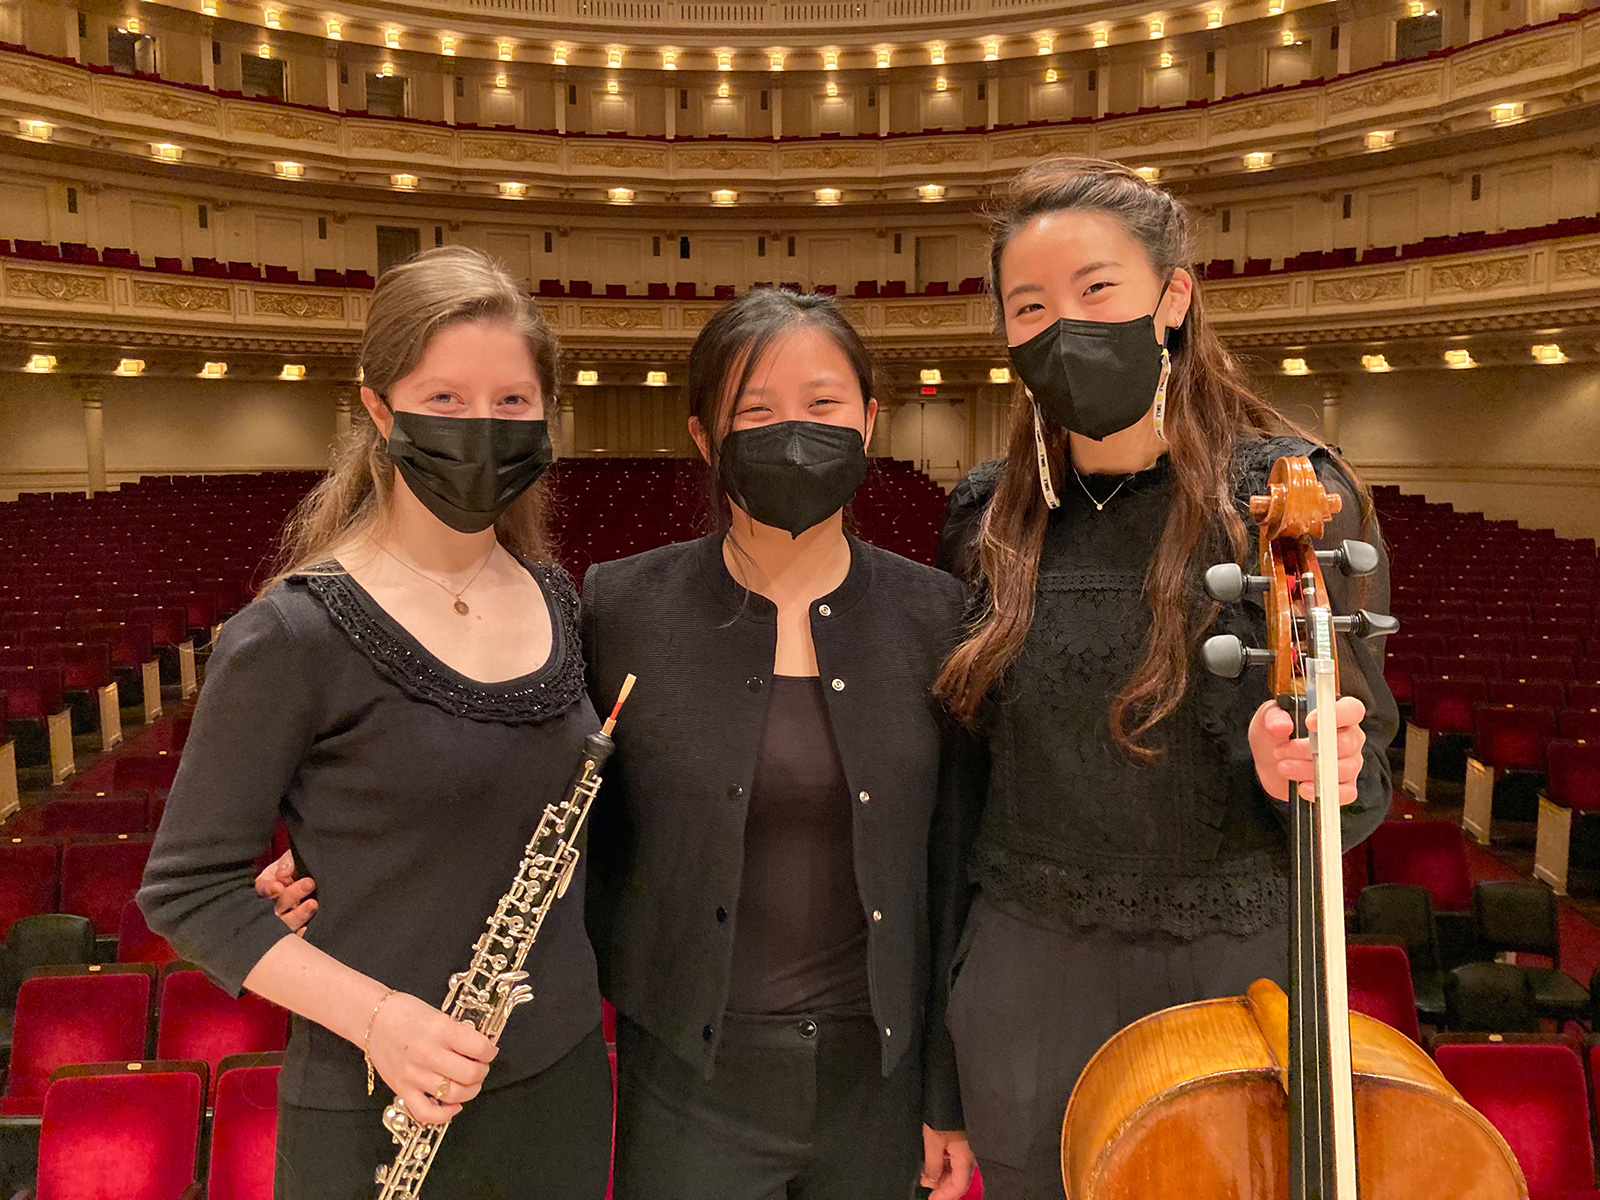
<point x="1191" y="1102"/>
<point x="1270" y="1096"/>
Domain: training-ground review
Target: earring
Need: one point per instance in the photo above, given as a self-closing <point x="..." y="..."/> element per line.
<point x="1161" y="395"/>
<point x="1050" y="499"/>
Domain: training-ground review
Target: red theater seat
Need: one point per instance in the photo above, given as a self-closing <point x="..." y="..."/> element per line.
<point x="1380" y="986"/>
<point x="29" y="871"/>
<point x="201" y="1021"/>
<point x="73" y="1015"/>
<point x="80" y="815"/>
<point x="1535" y="1096"/>
<point x="137" y="944"/>
<point x="119" y="1133"/>
<point x="1446" y="705"/>
<point x="1429" y="854"/>
<point x="244" y="1134"/>
<point x="100" y="875"/>
<point x="144" y="772"/>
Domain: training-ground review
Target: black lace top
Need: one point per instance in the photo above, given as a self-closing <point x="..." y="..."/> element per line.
<point x="1074" y="829"/>
<point x="409" y="792"/>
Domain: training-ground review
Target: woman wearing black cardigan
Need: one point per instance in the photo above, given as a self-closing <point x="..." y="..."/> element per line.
<point x="776" y="860"/>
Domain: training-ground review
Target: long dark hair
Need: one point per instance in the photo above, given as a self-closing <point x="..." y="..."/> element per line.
<point x="1209" y="406"/>
<point x="730" y="345"/>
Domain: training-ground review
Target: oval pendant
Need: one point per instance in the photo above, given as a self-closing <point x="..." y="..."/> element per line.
<point x="461" y="606"/>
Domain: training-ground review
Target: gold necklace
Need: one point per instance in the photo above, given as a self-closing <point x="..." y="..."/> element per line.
<point x="460" y="604"/>
<point x="1100" y="505"/>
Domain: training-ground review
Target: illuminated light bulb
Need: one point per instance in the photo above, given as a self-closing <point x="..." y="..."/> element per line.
<point x="1548" y="354"/>
<point x="655" y="379"/>
<point x="505" y="51"/>
<point x="1102" y="38"/>
<point x="1166" y="58"/>
<point x="1258" y="160"/>
<point x="999" y="374"/>
<point x="289" y="170"/>
<point x="38" y="131"/>
<point x="830" y="60"/>
<point x="884" y="58"/>
<point x="620" y="195"/>
<point x="1148" y="174"/>
<point x="1214" y="19"/>
<point x="1295" y="366"/>
<point x="447" y="45"/>
<point x="293" y="371"/>
<point x="724" y="197"/>
<point x="1375" y="362"/>
<point x="501" y="81"/>
<point x="560" y="54"/>
<point x="208" y="7"/>
<point x="941" y="84"/>
<point x="991" y="51"/>
<point x="612" y="87"/>
<point x="404" y="180"/>
<point x="1287" y="37"/>
<point x="930" y="376"/>
<point x="387" y="70"/>
<point x="587" y="378"/>
<point x="213" y="370"/>
<point x="166" y="151"/>
<point x="829" y="195"/>
<point x="1047" y="43"/>
<point x="273" y="21"/>
<point x="1052" y="75"/>
<point x="513" y="189"/>
<point x="776" y="60"/>
<point x="669" y="60"/>
<point x="931" y="191"/>
<point x="833" y="88"/>
<point x="614" y="58"/>
<point x="724" y="91"/>
<point x="129" y="367"/>
<point x="1380" y="139"/>
<point x="264" y="50"/>
<point x="391" y="38"/>
<point x="1509" y="111"/>
<point x="1157" y="28"/>
<point x="1459" y="359"/>
<point x="936" y="55"/>
<point x="336" y="30"/>
<point x="40" y="364"/>
<point x="1275" y="8"/>
<point x="133" y="25"/>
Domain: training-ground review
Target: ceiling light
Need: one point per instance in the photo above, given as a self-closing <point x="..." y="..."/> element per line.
<point x="513" y="189"/>
<point x="40" y="364"/>
<point x="391" y="38"/>
<point x="1214" y="19"/>
<point x="1509" y="111"/>
<point x="1295" y="366"/>
<point x="290" y="170"/>
<point x="560" y="53"/>
<point x="1258" y="160"/>
<point x="1157" y="27"/>
<point x="724" y="197"/>
<point x="166" y="151"/>
<point x="941" y="84"/>
<point x="614" y="58"/>
<point x="133" y="25"/>
<point x="612" y="87"/>
<point x="1274" y="8"/>
<point x="833" y="88"/>
<point x="991" y="51"/>
<point x="1287" y="37"/>
<point x="336" y="30"/>
<point x="213" y="370"/>
<point x="884" y="55"/>
<point x="1549" y="354"/>
<point x="293" y="371"/>
<point x="931" y="191"/>
<point x="272" y="19"/>
<point x="404" y="180"/>
<point x="620" y="195"/>
<point x="129" y="367"/>
<point x="1380" y="139"/>
<point x="208" y="7"/>
<point x="655" y="379"/>
<point x="1459" y="359"/>
<point x="830" y="60"/>
<point x="999" y="374"/>
<point x="1047" y="43"/>
<point x="1375" y="362"/>
<point x="723" y="90"/>
<point x="387" y="70"/>
<point x="1417" y="8"/>
<point x="587" y="378"/>
<point x="1052" y="75"/>
<point x="936" y="54"/>
<point x="502" y="80"/>
<point x="829" y="195"/>
<point x="1148" y="174"/>
<point x="505" y="51"/>
<point x="447" y="45"/>
<point x="930" y="376"/>
<point x="38" y="131"/>
<point x="1102" y="38"/>
<point x="669" y="60"/>
<point x="776" y="60"/>
<point x="264" y="50"/>
<point x="1166" y="58"/>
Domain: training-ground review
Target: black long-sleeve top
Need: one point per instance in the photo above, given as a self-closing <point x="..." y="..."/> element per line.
<point x="667" y="838"/>
<point x="1077" y="831"/>
<point x="409" y="792"/>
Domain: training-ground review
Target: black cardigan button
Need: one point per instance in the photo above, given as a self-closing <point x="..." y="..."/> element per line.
<point x="735" y="791"/>
<point x="722" y="914"/>
<point x="708" y="1033"/>
<point x="754" y="683"/>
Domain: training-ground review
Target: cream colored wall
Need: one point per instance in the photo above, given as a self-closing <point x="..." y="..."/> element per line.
<point x="1517" y="443"/>
<point x="159" y="427"/>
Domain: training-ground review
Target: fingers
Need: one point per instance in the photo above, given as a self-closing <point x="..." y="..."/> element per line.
<point x="290" y="897"/>
<point x="424" y="1108"/>
<point x="468" y="1042"/>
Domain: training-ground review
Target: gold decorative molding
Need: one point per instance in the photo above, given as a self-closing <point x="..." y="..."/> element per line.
<point x="290" y="127"/>
<point x="181" y="297"/>
<point x="1580" y="260"/>
<point x="909" y="154"/>
<point x="1479" y="276"/>
<point x="1241" y="118"/>
<point x="723" y="158"/>
<point x="1380" y="93"/>
<point x="1040" y="143"/>
<point x="1359" y="289"/>
<point x="924" y="316"/>
<point x="620" y="158"/>
<point x="1249" y="298"/>
<point x="162" y="105"/>
<point x="1150" y="133"/>
<point x="694" y="317"/>
<point x="1512" y="60"/>
<point x="509" y="150"/>
<point x="58" y="287"/>
<point x="302" y="306"/>
<point x="37" y="80"/>
<point x="400" y="141"/>
<point x="597" y="317"/>
<point x="827" y="158"/>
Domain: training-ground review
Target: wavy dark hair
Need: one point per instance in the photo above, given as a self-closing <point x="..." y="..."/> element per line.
<point x="1210" y="405"/>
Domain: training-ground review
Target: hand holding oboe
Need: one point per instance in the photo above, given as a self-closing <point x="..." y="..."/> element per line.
<point x="423" y="1055"/>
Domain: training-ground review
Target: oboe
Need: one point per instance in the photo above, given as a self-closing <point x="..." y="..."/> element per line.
<point x="484" y="994"/>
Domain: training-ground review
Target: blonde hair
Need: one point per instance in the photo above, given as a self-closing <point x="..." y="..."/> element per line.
<point x="444" y="286"/>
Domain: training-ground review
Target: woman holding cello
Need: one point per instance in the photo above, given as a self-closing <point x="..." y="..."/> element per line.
<point x="1133" y="853"/>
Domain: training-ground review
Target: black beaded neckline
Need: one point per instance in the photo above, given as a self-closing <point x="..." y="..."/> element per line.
<point x="405" y="662"/>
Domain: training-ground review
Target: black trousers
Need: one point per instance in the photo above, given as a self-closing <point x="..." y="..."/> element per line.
<point x="1033" y="1002"/>
<point x="547" y="1137"/>
<point x="797" y="1110"/>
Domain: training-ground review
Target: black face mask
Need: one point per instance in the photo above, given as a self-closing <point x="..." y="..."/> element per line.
<point x="468" y="470"/>
<point x="1094" y="378"/>
<point x="794" y="474"/>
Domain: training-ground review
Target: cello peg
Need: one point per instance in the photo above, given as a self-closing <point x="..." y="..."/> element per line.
<point x="1352" y="558"/>
<point x="1226" y="583"/>
<point x="1227" y="656"/>
<point x="1364" y="624"/>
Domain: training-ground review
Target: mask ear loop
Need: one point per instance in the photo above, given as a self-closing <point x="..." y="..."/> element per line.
<point x="1050" y="498"/>
<point x="1161" y="394"/>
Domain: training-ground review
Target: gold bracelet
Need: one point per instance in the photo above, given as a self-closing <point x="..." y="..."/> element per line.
<point x="366" y="1042"/>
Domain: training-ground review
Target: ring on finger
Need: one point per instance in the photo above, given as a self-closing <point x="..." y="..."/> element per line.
<point x="442" y="1091"/>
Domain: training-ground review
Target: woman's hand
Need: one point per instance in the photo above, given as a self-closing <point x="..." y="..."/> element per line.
<point x="417" y="1049"/>
<point x="291" y="897"/>
<point x="1283" y="759"/>
<point x="947" y="1163"/>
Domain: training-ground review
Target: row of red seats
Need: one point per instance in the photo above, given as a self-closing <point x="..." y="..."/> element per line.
<point x="89" y="256"/>
<point x="89" y="875"/>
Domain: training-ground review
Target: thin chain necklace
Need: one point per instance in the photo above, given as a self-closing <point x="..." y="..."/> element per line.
<point x="460" y="604"/>
<point x="1100" y="505"/>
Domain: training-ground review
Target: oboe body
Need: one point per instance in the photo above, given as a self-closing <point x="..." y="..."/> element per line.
<point x="484" y="994"/>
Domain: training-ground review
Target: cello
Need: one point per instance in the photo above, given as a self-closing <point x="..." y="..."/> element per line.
<point x="1268" y="1096"/>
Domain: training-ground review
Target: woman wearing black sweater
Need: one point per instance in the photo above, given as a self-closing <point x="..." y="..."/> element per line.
<point x="777" y="857"/>
<point x="1132" y="853"/>
<point x="408" y="695"/>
